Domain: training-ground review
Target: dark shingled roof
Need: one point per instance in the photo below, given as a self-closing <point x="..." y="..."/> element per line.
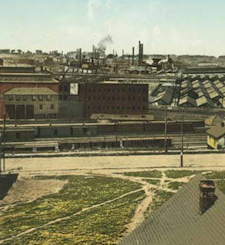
<point x="178" y="222"/>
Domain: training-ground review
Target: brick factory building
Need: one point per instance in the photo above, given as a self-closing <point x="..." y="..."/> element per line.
<point x="114" y="98"/>
<point x="22" y="87"/>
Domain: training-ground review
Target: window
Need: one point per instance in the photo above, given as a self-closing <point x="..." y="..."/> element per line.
<point x="49" y="97"/>
<point x="40" y="107"/>
<point x="24" y="97"/>
<point x="71" y="131"/>
<point x="34" y="97"/>
<point x="65" y="97"/>
<point x="89" y="97"/>
<point x="17" y="97"/>
<point x="60" y="97"/>
<point x="52" y="107"/>
<point x="55" y="132"/>
<point x="65" y="88"/>
<point x="143" y="107"/>
<point x="18" y="135"/>
<point x="10" y="97"/>
<point x="40" y="97"/>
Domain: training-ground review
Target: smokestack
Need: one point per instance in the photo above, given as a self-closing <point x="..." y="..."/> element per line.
<point x="207" y="196"/>
<point x="132" y="56"/>
<point x="80" y="57"/>
<point x="140" y="55"/>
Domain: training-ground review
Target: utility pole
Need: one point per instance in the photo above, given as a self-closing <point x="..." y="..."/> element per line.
<point x="165" y="141"/>
<point x="3" y="140"/>
<point x="182" y="143"/>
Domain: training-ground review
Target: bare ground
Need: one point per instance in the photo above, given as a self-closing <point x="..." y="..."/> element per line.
<point x="27" y="190"/>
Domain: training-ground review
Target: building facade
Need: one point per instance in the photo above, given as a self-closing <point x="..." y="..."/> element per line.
<point x="114" y="98"/>
<point x="29" y="103"/>
<point x="25" y="93"/>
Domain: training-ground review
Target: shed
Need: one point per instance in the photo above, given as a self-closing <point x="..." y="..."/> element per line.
<point x="216" y="137"/>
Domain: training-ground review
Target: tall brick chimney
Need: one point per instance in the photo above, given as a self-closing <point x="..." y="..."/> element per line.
<point x="207" y="195"/>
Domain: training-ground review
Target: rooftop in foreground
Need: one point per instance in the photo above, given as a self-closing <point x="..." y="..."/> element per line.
<point x="179" y="222"/>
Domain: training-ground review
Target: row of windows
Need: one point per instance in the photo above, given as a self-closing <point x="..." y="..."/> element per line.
<point x="30" y="97"/>
<point x="113" y="98"/>
<point x="118" y="90"/>
<point x="42" y="106"/>
<point x="117" y="107"/>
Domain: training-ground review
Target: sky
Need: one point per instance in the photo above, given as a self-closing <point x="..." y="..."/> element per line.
<point x="163" y="26"/>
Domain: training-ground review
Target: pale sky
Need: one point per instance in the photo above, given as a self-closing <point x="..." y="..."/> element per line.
<point x="164" y="26"/>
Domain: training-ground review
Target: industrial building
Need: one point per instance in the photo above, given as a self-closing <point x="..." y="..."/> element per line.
<point x="114" y="98"/>
<point x="28" y="94"/>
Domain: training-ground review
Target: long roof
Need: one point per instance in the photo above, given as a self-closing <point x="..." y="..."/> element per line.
<point x="178" y="221"/>
<point x="30" y="91"/>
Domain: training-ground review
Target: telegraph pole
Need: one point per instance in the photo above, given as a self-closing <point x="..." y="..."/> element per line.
<point x="165" y="142"/>
<point x="182" y="143"/>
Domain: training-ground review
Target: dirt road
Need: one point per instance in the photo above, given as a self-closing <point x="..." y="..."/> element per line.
<point x="104" y="164"/>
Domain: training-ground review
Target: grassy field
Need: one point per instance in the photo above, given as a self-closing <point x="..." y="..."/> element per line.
<point x="153" y="181"/>
<point x="175" y="185"/>
<point x="145" y="174"/>
<point x="105" y="223"/>
<point x="219" y="179"/>
<point x="179" y="173"/>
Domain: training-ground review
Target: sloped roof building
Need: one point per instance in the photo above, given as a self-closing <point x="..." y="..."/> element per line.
<point x="179" y="222"/>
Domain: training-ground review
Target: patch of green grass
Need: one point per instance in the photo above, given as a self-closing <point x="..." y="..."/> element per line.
<point x="179" y="173"/>
<point x="175" y="185"/>
<point x="153" y="181"/>
<point x="103" y="225"/>
<point x="150" y="174"/>
<point x="216" y="175"/>
<point x="80" y="192"/>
